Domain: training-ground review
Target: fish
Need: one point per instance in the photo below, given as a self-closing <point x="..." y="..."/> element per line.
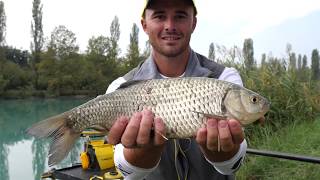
<point x="184" y="104"/>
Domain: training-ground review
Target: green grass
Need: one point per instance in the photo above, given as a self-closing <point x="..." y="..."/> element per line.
<point x="302" y="139"/>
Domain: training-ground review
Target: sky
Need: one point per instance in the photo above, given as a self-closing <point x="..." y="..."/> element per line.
<point x="226" y="22"/>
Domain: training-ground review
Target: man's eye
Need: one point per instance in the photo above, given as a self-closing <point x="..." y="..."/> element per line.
<point x="159" y="17"/>
<point x="180" y="16"/>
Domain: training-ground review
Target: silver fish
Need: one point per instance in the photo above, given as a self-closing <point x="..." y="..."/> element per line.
<point x="184" y="104"/>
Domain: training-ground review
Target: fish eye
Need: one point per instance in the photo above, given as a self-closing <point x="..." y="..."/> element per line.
<point x="254" y="99"/>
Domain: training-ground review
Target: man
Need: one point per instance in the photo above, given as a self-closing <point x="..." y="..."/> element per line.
<point x="169" y="25"/>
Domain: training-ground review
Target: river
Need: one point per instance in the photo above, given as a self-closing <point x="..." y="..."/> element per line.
<point x="22" y="156"/>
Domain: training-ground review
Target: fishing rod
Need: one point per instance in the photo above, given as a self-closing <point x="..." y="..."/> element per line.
<point x="288" y="156"/>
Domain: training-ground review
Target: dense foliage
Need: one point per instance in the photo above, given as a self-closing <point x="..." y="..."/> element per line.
<point x="60" y="69"/>
<point x="292" y="124"/>
<point x="293" y="93"/>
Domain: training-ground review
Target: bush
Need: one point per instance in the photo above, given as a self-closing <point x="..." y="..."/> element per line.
<point x="291" y="100"/>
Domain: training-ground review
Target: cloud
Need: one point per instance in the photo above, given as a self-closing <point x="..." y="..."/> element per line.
<point x="254" y="15"/>
<point x="226" y="22"/>
<point x="229" y="22"/>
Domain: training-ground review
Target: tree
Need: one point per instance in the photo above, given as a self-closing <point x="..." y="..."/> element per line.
<point x="133" y="55"/>
<point x="292" y="61"/>
<point x="300" y="72"/>
<point x="277" y="65"/>
<point x="63" y="42"/>
<point x="37" y="30"/>
<point x="147" y="50"/>
<point x="315" y="69"/>
<point x="288" y="49"/>
<point x="17" y="56"/>
<point x="211" y="54"/>
<point x="15" y="76"/>
<point x="228" y="56"/>
<point x="48" y="72"/>
<point x="115" y="35"/>
<point x="97" y="54"/>
<point x="263" y="59"/>
<point x="2" y="25"/>
<point x="98" y="45"/>
<point x="304" y="75"/>
<point x="304" y="62"/>
<point x="248" y="53"/>
<point x="299" y="62"/>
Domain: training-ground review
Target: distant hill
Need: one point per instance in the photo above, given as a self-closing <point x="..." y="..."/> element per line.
<point x="302" y="33"/>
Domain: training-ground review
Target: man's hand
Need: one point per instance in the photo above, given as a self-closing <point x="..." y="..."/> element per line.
<point x="142" y="149"/>
<point x="230" y="135"/>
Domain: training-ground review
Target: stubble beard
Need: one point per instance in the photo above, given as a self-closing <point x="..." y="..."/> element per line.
<point x="168" y="51"/>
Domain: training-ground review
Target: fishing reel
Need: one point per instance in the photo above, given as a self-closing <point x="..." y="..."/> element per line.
<point x="99" y="156"/>
<point x="96" y="155"/>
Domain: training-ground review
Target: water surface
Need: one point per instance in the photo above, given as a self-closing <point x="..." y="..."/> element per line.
<point x="22" y="156"/>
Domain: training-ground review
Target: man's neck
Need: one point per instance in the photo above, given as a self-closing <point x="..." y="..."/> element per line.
<point x="172" y="66"/>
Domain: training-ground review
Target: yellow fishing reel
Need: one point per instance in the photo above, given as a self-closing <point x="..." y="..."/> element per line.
<point x="96" y="155"/>
<point x="113" y="175"/>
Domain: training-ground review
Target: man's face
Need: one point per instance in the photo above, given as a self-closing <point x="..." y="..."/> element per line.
<point x="169" y="25"/>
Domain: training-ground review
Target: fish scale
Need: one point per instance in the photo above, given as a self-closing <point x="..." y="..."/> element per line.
<point x="184" y="92"/>
<point x="184" y="104"/>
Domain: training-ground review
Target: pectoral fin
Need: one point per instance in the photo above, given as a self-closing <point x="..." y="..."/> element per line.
<point x="220" y="117"/>
<point x="99" y="128"/>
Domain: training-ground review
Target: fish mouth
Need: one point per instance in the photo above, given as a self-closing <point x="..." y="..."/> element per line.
<point x="267" y="106"/>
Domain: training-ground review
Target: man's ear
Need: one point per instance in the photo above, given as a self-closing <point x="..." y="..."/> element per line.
<point x="144" y="24"/>
<point x="194" y="24"/>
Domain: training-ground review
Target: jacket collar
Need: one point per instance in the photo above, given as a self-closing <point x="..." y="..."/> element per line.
<point x="149" y="70"/>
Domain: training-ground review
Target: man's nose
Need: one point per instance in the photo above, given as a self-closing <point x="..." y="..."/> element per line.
<point x="170" y="25"/>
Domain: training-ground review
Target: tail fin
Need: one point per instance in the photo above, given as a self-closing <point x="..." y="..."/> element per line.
<point x="63" y="137"/>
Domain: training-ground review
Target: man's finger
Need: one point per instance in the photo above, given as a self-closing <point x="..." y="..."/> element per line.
<point x="160" y="131"/>
<point x="129" y="136"/>
<point x="212" y="134"/>
<point x="143" y="137"/>
<point x="236" y="131"/>
<point x="116" y="131"/>
<point x="201" y="137"/>
<point x="225" y="137"/>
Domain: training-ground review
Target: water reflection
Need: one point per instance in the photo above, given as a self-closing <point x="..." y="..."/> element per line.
<point x="18" y="151"/>
<point x="39" y="153"/>
<point x="3" y="162"/>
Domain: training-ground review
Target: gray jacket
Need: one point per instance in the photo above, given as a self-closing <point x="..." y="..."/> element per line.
<point x="182" y="157"/>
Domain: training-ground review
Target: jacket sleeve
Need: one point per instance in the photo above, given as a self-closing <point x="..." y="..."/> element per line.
<point x="129" y="171"/>
<point x="232" y="165"/>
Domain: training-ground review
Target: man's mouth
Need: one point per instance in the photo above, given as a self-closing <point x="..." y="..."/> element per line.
<point x="171" y="38"/>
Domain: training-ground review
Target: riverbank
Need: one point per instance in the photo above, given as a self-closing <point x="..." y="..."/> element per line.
<point x="22" y="94"/>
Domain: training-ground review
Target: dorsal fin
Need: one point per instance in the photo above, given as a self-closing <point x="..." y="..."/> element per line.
<point x="131" y="83"/>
